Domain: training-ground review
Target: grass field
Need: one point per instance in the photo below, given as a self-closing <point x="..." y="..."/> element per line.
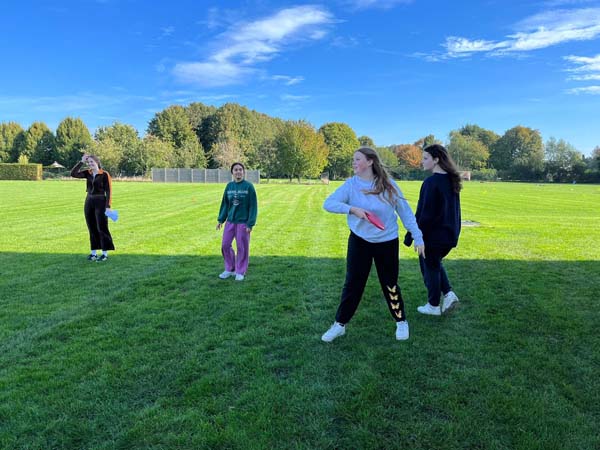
<point x="152" y="351"/>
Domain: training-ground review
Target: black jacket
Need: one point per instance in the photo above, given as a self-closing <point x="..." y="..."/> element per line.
<point x="101" y="184"/>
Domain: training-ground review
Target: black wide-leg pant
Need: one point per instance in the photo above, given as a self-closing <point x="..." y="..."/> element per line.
<point x="359" y="260"/>
<point x="97" y="223"/>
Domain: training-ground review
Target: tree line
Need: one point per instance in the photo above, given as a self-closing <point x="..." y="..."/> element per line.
<point x="200" y="135"/>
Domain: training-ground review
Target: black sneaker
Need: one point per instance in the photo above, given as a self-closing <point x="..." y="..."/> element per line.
<point x="102" y="258"/>
<point x="91" y="258"/>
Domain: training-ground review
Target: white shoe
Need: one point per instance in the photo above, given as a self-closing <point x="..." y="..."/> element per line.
<point x="226" y="274"/>
<point x="336" y="330"/>
<point x="449" y="302"/>
<point x="427" y="308"/>
<point x="402" y="330"/>
<point x="239" y="277"/>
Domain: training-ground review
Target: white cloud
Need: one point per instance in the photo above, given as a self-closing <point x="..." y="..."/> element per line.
<point x="289" y="81"/>
<point x="585" y="68"/>
<point x="584" y="63"/>
<point x="588" y="77"/>
<point x="365" y="4"/>
<point x="593" y="90"/>
<point x="458" y="45"/>
<point x="294" y="98"/>
<point x="243" y="46"/>
<point x="211" y="73"/>
<point x="554" y="3"/>
<point x="539" y="31"/>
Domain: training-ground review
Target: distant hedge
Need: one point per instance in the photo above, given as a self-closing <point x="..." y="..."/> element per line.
<point x="31" y="172"/>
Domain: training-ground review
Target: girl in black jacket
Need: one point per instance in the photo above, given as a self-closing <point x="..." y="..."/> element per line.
<point x="438" y="217"/>
<point x="97" y="202"/>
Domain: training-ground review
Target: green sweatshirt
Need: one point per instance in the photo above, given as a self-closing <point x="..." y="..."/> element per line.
<point x="239" y="204"/>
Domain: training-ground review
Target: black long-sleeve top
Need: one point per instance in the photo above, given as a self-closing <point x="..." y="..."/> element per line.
<point x="438" y="212"/>
<point x="101" y="184"/>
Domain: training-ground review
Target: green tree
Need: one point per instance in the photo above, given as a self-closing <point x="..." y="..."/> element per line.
<point x="366" y="141"/>
<point x="268" y="160"/>
<point x="115" y="142"/>
<point x="342" y="143"/>
<point x="592" y="171"/>
<point x="595" y="158"/>
<point x="301" y="151"/>
<point x="467" y="151"/>
<point x="10" y="136"/>
<point x="39" y="144"/>
<point x="389" y="159"/>
<point x="110" y="153"/>
<point x="124" y="135"/>
<point x="486" y="137"/>
<point x="563" y="161"/>
<point x="427" y="141"/>
<point x="519" y="154"/>
<point x="197" y="113"/>
<point x="172" y="125"/>
<point x="189" y="154"/>
<point x="151" y="152"/>
<point x="248" y="129"/>
<point x="72" y="140"/>
<point x="226" y="152"/>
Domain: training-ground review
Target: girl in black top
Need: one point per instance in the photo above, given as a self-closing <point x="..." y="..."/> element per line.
<point x="97" y="202"/>
<point x="438" y="217"/>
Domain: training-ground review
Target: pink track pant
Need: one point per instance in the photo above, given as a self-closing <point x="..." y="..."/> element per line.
<point x="238" y="231"/>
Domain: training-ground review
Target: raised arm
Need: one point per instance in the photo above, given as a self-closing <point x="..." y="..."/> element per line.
<point x="76" y="173"/>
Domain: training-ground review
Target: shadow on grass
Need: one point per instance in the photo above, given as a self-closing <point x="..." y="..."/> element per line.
<point x="149" y="351"/>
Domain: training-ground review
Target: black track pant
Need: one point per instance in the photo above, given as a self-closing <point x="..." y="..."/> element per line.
<point x="358" y="265"/>
<point x="97" y="223"/>
<point x="434" y="274"/>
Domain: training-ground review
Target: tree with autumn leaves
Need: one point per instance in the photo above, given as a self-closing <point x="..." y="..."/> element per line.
<point x="199" y="135"/>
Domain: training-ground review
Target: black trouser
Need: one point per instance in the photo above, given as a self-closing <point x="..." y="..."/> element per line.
<point x="434" y="274"/>
<point x="358" y="265"/>
<point x="97" y="223"/>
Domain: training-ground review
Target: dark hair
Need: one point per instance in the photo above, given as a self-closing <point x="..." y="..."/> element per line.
<point x="237" y="164"/>
<point x="446" y="163"/>
<point x="382" y="178"/>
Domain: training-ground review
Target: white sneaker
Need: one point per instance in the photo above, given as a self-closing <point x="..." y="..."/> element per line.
<point x="402" y="330"/>
<point x="239" y="277"/>
<point x="336" y="330"/>
<point x="428" y="308"/>
<point x="226" y="274"/>
<point x="449" y="302"/>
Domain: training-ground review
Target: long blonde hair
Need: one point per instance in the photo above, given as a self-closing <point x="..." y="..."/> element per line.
<point x="381" y="178"/>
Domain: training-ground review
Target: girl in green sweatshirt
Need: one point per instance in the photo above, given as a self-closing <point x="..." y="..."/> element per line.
<point x="238" y="212"/>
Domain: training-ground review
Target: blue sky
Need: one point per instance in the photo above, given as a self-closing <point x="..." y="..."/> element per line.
<point x="394" y="70"/>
